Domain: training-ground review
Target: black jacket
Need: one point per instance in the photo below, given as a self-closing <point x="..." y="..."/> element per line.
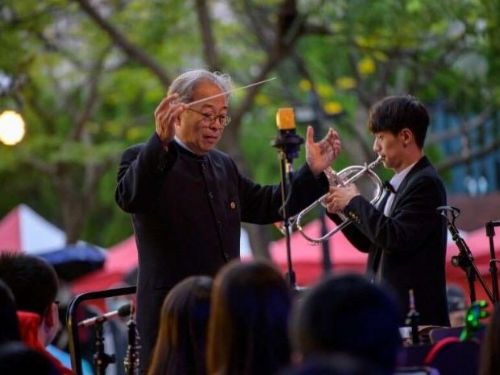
<point x="408" y="248"/>
<point x="186" y="212"/>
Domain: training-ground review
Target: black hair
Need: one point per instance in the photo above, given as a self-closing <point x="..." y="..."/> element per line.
<point x="181" y="343"/>
<point x="32" y="280"/>
<point x="348" y="314"/>
<point x="17" y="358"/>
<point x="396" y="113"/>
<point x="333" y="364"/>
<point x="9" y="326"/>
<point x="248" y="328"/>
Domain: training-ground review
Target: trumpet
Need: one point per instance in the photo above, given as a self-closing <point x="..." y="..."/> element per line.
<point x="371" y="189"/>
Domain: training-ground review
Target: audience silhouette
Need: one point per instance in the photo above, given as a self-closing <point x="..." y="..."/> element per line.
<point x="9" y="326"/>
<point x="248" y="321"/>
<point x="180" y="345"/>
<point x="348" y="314"/>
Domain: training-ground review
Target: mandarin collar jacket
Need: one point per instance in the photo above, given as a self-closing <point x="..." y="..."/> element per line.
<point x="187" y="211"/>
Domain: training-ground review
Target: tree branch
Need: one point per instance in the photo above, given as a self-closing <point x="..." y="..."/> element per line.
<point x="466" y="127"/>
<point x="288" y="31"/>
<point x="128" y="47"/>
<point x="92" y="97"/>
<point x="38" y="164"/>
<point x="458" y="159"/>
<point x="206" y="32"/>
<point x="259" y="27"/>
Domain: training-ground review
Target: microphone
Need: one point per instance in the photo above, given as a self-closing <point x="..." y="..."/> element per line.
<point x="285" y="119"/>
<point x="123" y="311"/>
<point x="449" y="212"/>
<point x="287" y="140"/>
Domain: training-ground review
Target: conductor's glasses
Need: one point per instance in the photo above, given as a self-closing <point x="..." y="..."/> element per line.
<point x="209" y="119"/>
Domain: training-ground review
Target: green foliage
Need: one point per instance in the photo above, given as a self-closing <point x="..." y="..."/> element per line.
<point x="51" y="52"/>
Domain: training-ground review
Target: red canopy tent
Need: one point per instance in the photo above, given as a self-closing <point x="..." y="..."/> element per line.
<point x="121" y="259"/>
<point x="307" y="258"/>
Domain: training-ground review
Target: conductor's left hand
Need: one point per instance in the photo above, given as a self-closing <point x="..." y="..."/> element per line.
<point x="320" y="155"/>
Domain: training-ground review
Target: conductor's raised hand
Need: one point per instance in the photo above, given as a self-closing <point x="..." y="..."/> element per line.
<point x="166" y="115"/>
<point x="320" y="155"/>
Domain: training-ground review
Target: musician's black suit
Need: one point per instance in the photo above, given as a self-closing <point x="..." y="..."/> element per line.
<point x="410" y="244"/>
<point x="186" y="213"/>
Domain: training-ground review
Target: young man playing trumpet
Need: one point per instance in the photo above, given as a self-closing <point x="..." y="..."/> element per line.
<point x="403" y="234"/>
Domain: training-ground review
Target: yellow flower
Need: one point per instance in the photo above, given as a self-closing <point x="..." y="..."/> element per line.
<point x="380" y="56"/>
<point x="262" y="100"/>
<point x="365" y="42"/>
<point x="134" y="134"/>
<point x="346" y="83"/>
<point x="305" y="85"/>
<point x="325" y="91"/>
<point x="366" y="66"/>
<point x="333" y="108"/>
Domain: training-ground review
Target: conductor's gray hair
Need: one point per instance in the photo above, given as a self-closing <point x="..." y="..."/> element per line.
<point x="185" y="84"/>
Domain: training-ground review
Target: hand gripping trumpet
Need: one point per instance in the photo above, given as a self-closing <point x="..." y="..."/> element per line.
<point x="371" y="189"/>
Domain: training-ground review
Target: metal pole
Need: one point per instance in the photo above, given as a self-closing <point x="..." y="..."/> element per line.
<point x="490" y="232"/>
<point x="317" y="124"/>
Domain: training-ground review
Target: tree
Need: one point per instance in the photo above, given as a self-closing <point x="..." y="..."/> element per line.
<point x="88" y="75"/>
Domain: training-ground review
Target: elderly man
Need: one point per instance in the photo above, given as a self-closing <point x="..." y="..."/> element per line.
<point x="188" y="199"/>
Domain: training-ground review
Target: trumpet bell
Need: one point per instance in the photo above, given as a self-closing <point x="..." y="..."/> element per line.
<point x="367" y="182"/>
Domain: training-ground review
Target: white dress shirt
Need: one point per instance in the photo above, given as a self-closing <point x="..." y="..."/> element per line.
<point x="396" y="181"/>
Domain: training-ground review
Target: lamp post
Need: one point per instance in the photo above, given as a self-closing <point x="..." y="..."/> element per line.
<point x="12" y="128"/>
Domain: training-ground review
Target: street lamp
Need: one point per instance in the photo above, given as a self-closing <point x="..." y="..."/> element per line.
<point x="12" y="128"/>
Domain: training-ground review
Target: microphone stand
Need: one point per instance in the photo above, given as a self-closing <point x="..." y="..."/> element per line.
<point x="464" y="259"/>
<point x="101" y="359"/>
<point x="490" y="232"/>
<point x="288" y="143"/>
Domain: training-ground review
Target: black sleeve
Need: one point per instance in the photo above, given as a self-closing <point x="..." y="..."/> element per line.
<point x="140" y="174"/>
<point x="409" y="226"/>
<point x="353" y="234"/>
<point x="261" y="204"/>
